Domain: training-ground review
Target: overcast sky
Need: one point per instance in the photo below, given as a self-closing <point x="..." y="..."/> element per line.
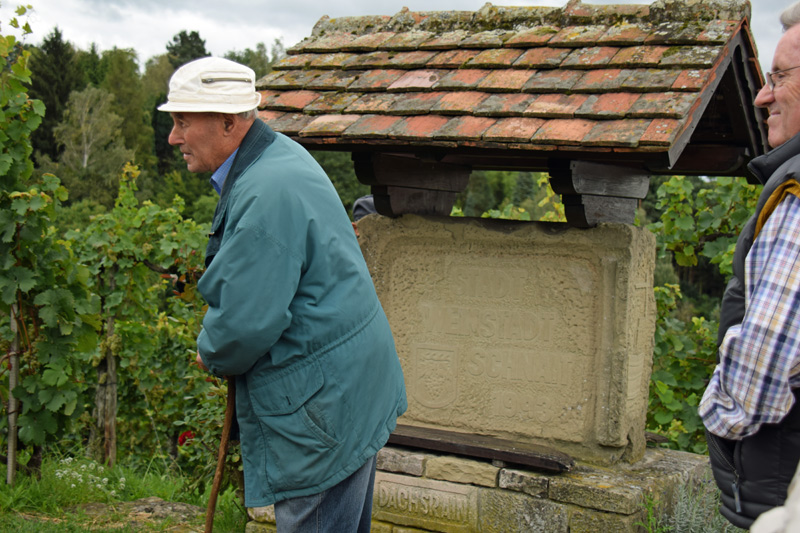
<point x="148" y="25"/>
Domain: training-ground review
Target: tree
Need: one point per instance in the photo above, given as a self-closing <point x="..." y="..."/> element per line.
<point x="88" y="62"/>
<point x="94" y="150"/>
<point x="54" y="75"/>
<point x="185" y="47"/>
<point x="155" y="80"/>
<point x="260" y="60"/>
<point x="122" y="80"/>
<point x="339" y="168"/>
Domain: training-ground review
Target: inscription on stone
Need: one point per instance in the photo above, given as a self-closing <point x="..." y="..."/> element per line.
<point x="489" y="344"/>
<point x="435" y="505"/>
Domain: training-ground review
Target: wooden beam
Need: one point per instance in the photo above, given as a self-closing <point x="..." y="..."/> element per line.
<point x="406" y="184"/>
<point x="585" y="177"/>
<point x="483" y="447"/>
<point x="410" y="172"/>
<point x="587" y="211"/>
<point x="396" y="201"/>
<point x="595" y="192"/>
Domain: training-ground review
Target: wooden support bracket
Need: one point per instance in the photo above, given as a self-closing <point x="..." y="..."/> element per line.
<point x="593" y="192"/>
<point x="406" y="184"/>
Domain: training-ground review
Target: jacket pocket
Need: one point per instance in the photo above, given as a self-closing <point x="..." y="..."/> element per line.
<point x="295" y="424"/>
<point x="285" y="392"/>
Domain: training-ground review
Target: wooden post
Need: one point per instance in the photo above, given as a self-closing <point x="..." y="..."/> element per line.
<point x="13" y="403"/>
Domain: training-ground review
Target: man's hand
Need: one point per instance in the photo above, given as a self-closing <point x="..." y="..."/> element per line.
<point x="199" y="362"/>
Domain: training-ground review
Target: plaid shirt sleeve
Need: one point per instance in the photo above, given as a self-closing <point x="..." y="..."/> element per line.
<point x="760" y="358"/>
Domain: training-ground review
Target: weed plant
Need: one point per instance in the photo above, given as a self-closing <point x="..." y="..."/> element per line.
<point x="694" y="509"/>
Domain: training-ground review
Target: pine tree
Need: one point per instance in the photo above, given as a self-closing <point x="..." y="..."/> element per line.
<point x="185" y="47"/>
<point x="55" y="74"/>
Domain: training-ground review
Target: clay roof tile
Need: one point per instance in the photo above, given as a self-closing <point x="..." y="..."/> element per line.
<point x="609" y="79"/>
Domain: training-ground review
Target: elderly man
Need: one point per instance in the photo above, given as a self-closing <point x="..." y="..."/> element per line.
<point x="750" y="407"/>
<point x="292" y="311"/>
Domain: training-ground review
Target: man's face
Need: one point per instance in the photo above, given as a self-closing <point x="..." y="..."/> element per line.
<point x="200" y="137"/>
<point x="783" y="101"/>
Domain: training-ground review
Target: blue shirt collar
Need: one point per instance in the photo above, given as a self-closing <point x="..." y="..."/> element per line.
<point x="218" y="177"/>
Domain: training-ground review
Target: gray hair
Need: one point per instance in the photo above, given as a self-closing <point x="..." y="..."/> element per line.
<point x="252" y="114"/>
<point x="791" y="16"/>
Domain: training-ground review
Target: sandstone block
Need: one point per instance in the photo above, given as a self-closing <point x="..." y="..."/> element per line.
<point x="501" y="512"/>
<point x="401" y="461"/>
<point x="457" y="470"/>
<point x="589" y="521"/>
<point x="530" y="483"/>
<point x="528" y="331"/>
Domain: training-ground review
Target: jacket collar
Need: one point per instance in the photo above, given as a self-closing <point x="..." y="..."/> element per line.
<point x="255" y="141"/>
<point x="765" y="165"/>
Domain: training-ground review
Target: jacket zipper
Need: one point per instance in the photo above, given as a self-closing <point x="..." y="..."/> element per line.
<point x="735" y="485"/>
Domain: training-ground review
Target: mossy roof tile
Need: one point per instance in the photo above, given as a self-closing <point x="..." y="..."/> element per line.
<point x="513" y="129"/>
<point x="555" y="105"/>
<point x="467" y="127"/>
<point x="594" y="77"/>
<point x="452" y="58"/>
<point x="507" y="104"/>
<point x="542" y="57"/>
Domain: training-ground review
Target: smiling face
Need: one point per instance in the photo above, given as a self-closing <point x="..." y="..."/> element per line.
<point x="783" y="101"/>
<point x="202" y="139"/>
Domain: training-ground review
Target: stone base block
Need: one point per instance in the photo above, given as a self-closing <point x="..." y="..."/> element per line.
<point x="427" y="492"/>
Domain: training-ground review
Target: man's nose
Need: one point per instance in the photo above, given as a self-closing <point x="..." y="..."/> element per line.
<point x="173" y="138"/>
<point x="764" y="97"/>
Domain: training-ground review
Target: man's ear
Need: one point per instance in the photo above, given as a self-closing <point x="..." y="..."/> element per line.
<point x="228" y="123"/>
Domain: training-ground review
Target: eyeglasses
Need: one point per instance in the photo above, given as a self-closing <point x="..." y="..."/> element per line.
<point x="776" y="78"/>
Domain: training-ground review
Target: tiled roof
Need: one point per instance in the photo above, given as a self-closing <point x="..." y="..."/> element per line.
<point x="523" y="84"/>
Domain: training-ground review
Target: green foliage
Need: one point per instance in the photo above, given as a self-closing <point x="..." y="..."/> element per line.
<point x="135" y="253"/>
<point x="694" y="222"/>
<point x="509" y="212"/>
<point x="201" y="430"/>
<point x="44" y="302"/>
<point x="683" y="359"/>
<point x="502" y="194"/>
<point x="89" y="65"/>
<point x="703" y="220"/>
<point x="123" y="81"/>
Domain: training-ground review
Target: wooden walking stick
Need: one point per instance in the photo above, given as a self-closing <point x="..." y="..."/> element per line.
<point x="230" y="408"/>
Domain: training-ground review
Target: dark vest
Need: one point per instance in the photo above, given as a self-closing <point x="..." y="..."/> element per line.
<point x="754" y="473"/>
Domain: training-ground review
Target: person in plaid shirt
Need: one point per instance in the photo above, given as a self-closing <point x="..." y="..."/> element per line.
<point x="750" y="407"/>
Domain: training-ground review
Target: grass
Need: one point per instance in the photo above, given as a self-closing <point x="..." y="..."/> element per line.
<point x="76" y="494"/>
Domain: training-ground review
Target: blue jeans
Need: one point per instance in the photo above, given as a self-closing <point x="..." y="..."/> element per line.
<point x="343" y="508"/>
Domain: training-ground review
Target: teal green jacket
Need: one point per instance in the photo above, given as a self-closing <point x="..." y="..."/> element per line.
<point x="293" y="314"/>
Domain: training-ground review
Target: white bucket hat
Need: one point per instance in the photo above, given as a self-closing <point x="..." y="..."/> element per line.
<point x="212" y="85"/>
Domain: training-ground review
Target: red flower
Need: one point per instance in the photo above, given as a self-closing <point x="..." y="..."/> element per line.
<point x="183" y="437"/>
